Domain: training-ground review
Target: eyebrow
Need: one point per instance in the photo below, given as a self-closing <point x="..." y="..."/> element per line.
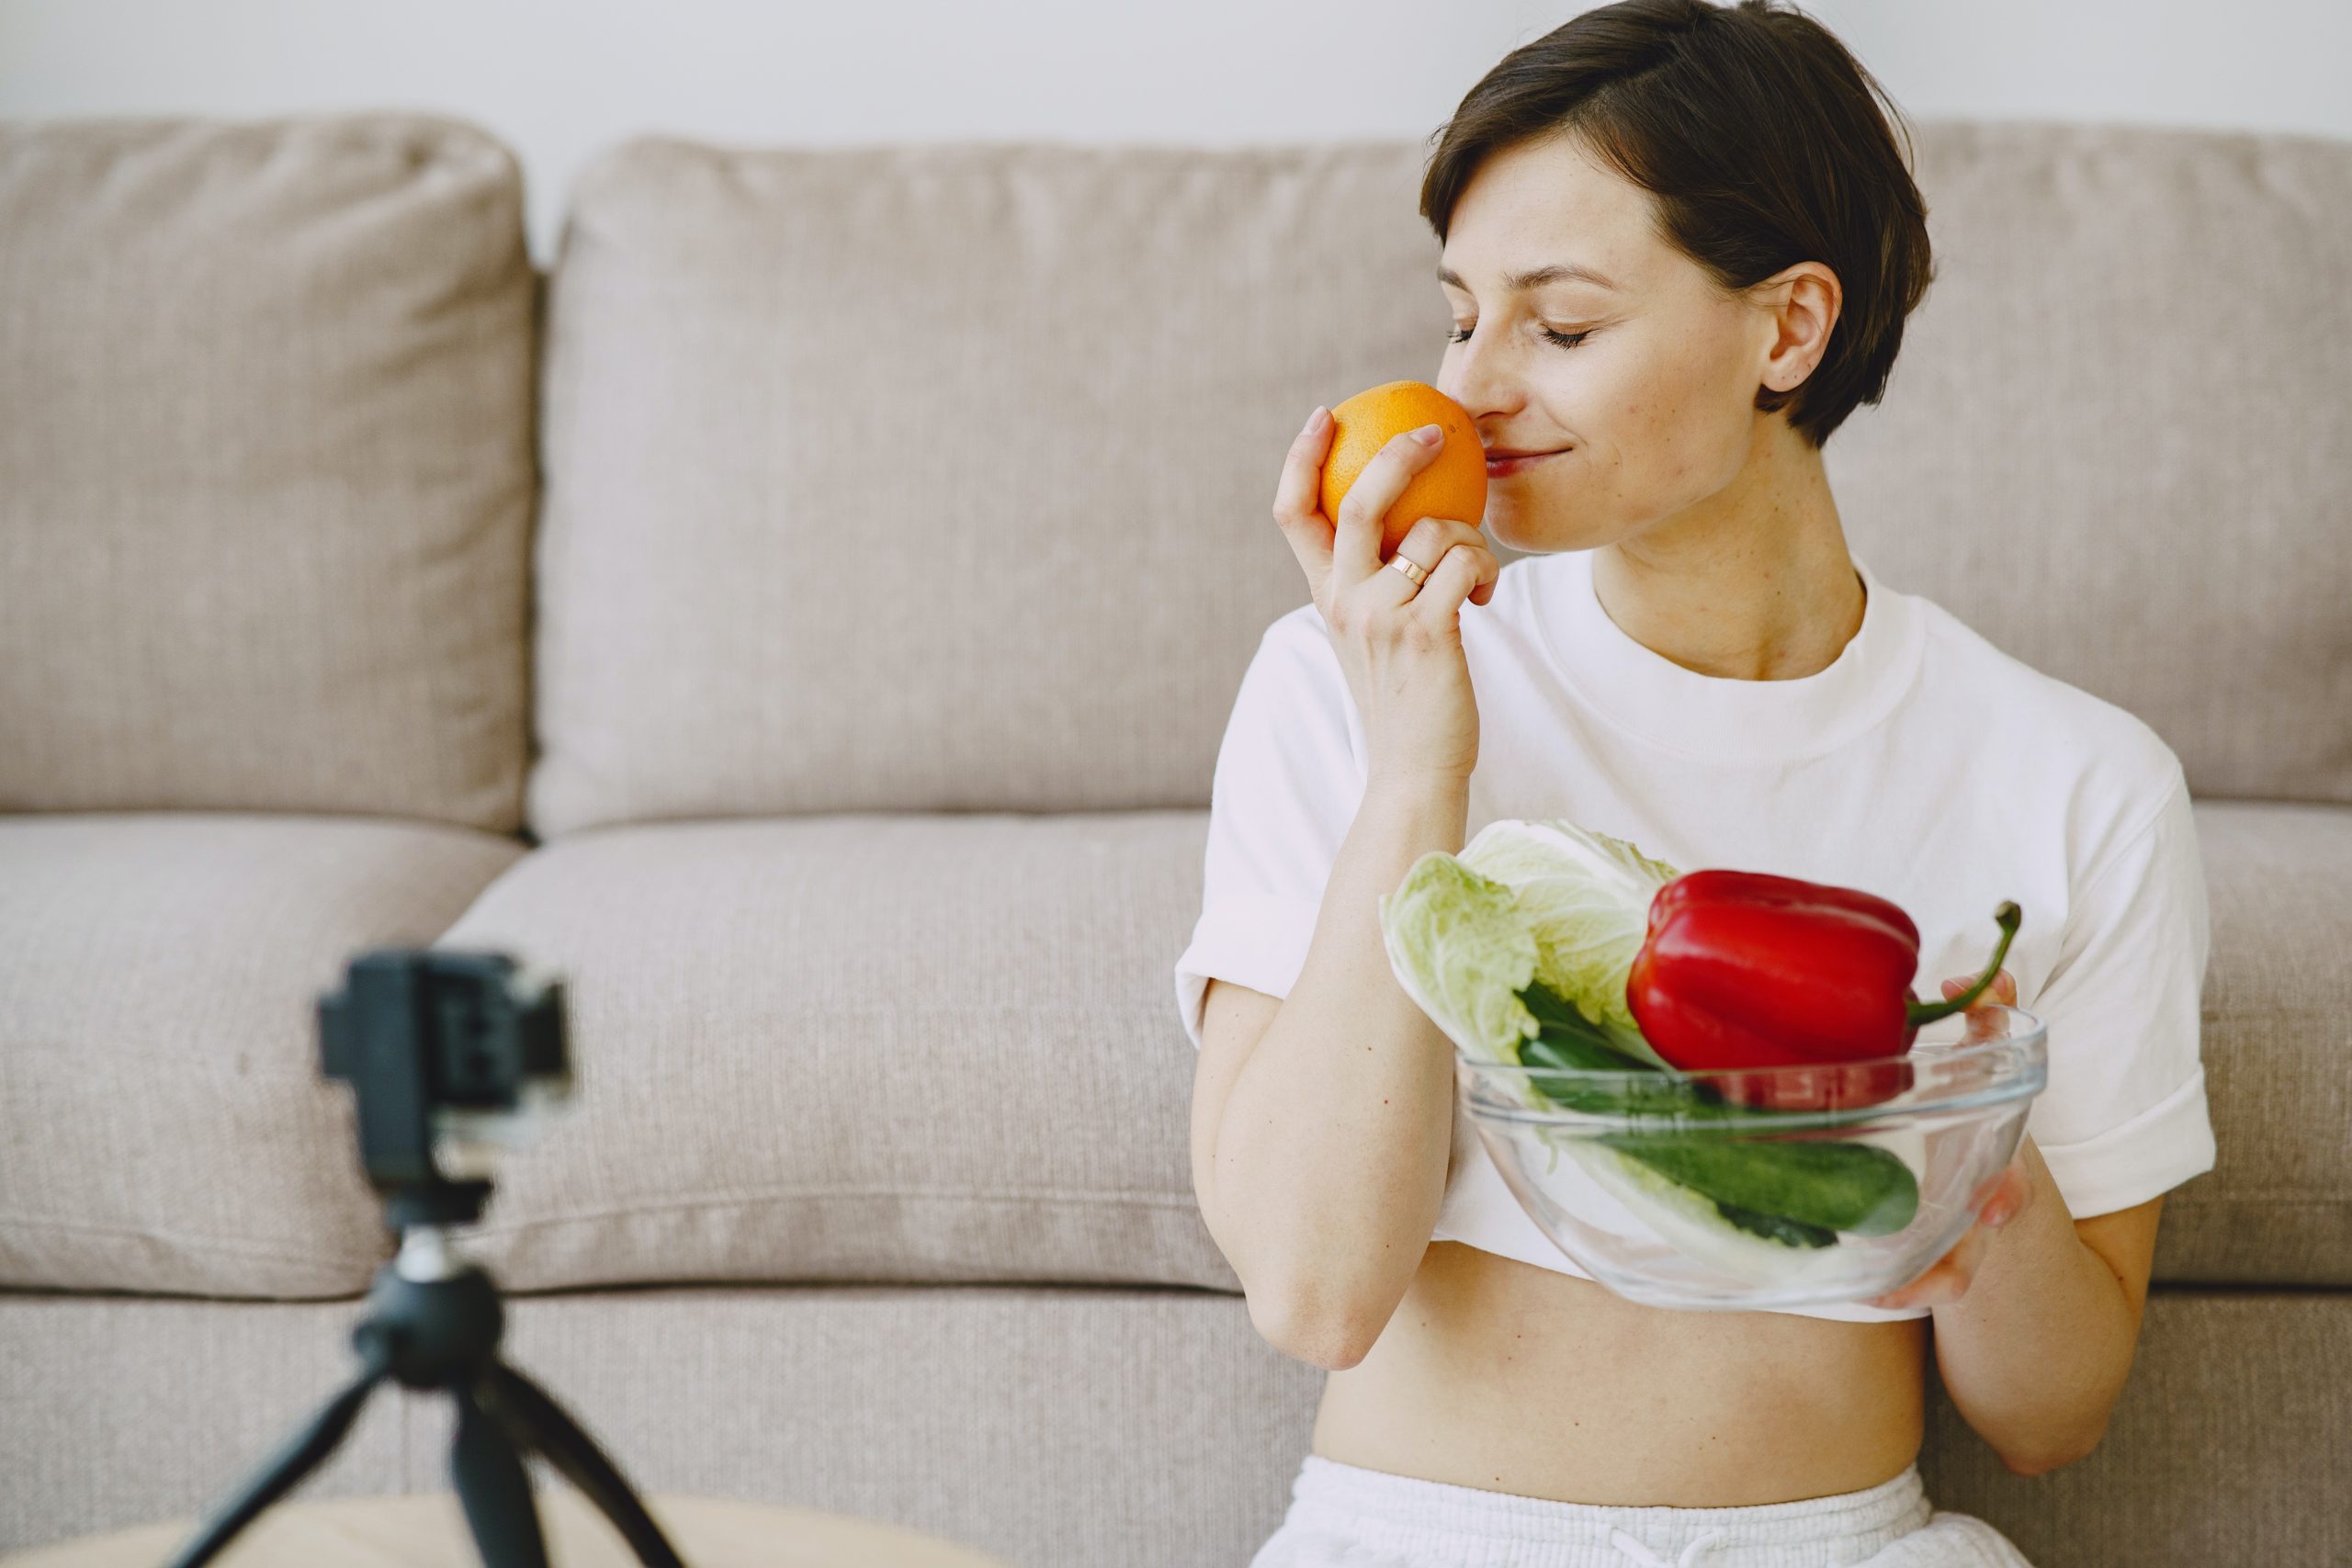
<point x="1556" y="273"/>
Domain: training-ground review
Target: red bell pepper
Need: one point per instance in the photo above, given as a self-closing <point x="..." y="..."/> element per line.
<point x="1742" y="969"/>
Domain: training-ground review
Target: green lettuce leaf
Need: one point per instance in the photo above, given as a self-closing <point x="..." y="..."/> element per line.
<point x="1459" y="948"/>
<point x="1587" y="898"/>
<point x="1541" y="904"/>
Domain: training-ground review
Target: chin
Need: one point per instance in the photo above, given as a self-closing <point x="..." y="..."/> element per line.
<point x="1521" y="527"/>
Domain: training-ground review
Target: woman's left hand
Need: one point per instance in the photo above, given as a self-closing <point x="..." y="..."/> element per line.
<point x="2002" y="1199"/>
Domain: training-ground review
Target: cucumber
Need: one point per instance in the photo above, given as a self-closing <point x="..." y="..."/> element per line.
<point x="1835" y="1185"/>
<point x="1777" y="1254"/>
<point x="1795" y="1191"/>
<point x="1570" y="1040"/>
<point x="1792" y="1233"/>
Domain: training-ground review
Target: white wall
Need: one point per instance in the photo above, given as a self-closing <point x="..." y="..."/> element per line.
<point x="560" y="79"/>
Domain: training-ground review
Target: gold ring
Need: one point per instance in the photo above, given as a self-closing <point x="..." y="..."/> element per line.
<point x="1418" y="573"/>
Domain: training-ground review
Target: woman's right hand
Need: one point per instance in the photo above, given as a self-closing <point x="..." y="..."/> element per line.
<point x="1399" y="645"/>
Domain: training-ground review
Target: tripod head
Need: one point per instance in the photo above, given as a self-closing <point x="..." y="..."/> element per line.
<point x="444" y="1048"/>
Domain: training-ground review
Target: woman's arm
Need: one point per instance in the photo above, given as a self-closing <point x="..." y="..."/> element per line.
<point x="2034" y="1352"/>
<point x="1321" y="1149"/>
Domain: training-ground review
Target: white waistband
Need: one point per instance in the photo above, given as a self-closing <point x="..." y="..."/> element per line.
<point x="1444" y="1522"/>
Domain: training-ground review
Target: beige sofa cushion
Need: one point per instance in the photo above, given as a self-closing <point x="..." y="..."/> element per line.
<point x="937" y="1048"/>
<point x="1066" y="1429"/>
<point x="164" y="1124"/>
<point x="923" y="1048"/>
<point x="266" y="426"/>
<point x="2277" y="1206"/>
<point x="938" y="478"/>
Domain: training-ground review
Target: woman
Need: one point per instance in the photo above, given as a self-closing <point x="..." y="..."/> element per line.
<point x="1678" y="245"/>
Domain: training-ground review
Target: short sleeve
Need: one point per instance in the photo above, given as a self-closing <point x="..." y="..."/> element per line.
<point x="1284" y="793"/>
<point x="2123" y="1117"/>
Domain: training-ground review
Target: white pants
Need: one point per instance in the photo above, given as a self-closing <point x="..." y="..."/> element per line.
<point x="1342" y="1516"/>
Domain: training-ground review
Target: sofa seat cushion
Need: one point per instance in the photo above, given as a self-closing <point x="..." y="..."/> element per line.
<point x="881" y="1047"/>
<point x="163" y="1123"/>
<point x="266" y="468"/>
<point x="2277" y="1206"/>
<point x="1055" y="1425"/>
<point x="934" y="1048"/>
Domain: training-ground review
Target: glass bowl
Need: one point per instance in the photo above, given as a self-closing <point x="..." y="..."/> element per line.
<point x="1682" y="1190"/>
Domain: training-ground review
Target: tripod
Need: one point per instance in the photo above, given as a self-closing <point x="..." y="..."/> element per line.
<point x="436" y="1042"/>
<point x="434" y="1322"/>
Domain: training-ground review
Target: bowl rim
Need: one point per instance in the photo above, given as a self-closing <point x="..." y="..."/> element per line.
<point x="2029" y="1044"/>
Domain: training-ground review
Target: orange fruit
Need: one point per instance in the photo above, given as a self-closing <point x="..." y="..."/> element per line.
<point x="1454" y="486"/>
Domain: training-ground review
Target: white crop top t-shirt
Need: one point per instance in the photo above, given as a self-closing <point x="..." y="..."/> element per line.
<point x="1924" y="765"/>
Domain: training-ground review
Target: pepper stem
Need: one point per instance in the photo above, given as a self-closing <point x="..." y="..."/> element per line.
<point x="1917" y="1013"/>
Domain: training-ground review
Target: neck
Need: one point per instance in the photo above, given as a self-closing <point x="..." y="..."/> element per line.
<point x="1755" y="584"/>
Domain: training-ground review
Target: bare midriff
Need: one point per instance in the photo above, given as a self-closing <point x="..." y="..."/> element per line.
<point x="1498" y="1374"/>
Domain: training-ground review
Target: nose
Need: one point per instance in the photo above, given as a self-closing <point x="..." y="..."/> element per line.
<point x="1481" y="379"/>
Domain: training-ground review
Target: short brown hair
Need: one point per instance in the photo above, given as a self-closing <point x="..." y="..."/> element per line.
<point x="1758" y="137"/>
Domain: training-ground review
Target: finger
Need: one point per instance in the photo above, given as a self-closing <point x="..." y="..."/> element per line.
<point x="1922" y="1291"/>
<point x="1297" y="507"/>
<point x="1983" y="1023"/>
<point x="1949" y="1279"/>
<point x="1426" y="543"/>
<point x="1457" y="572"/>
<point x="2003" y="988"/>
<point x="1356" y="532"/>
<point x="2016" y="1194"/>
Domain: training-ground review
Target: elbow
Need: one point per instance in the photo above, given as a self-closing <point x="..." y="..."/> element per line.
<point x="2044" y="1460"/>
<point x="1305" y="1327"/>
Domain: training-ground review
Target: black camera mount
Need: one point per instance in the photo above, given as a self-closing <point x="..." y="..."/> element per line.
<point x="457" y="1047"/>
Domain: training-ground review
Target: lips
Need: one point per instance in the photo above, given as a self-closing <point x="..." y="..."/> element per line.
<point x="1501" y="460"/>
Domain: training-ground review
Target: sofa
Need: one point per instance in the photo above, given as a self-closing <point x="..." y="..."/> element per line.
<point x="804" y="617"/>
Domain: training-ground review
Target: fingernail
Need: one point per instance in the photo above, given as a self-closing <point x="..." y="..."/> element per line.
<point x="1314" y="420"/>
<point x="1428" y="434"/>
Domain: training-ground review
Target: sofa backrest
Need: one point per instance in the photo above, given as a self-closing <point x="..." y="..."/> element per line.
<point x="266" y="468"/>
<point x="937" y="478"/>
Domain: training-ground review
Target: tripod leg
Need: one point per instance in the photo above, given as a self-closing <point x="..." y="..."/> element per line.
<point x="524" y="1405"/>
<point x="284" y="1470"/>
<point x="494" y="1488"/>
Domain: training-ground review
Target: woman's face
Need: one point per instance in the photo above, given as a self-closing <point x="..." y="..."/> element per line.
<point x="1648" y="410"/>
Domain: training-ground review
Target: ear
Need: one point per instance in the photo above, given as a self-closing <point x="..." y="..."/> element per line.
<point x="1802" y="303"/>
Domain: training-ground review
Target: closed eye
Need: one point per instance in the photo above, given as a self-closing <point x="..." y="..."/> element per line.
<point x="1565" y="340"/>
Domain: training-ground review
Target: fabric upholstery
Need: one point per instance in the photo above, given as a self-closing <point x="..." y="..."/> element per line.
<point x="918" y="1048"/>
<point x="936" y="479"/>
<point x="163" y="1123"/>
<point x="1019" y="522"/>
<point x="2277" y="1207"/>
<point x="938" y="1048"/>
<point x="1114" y="1427"/>
<point x="266" y="468"/>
